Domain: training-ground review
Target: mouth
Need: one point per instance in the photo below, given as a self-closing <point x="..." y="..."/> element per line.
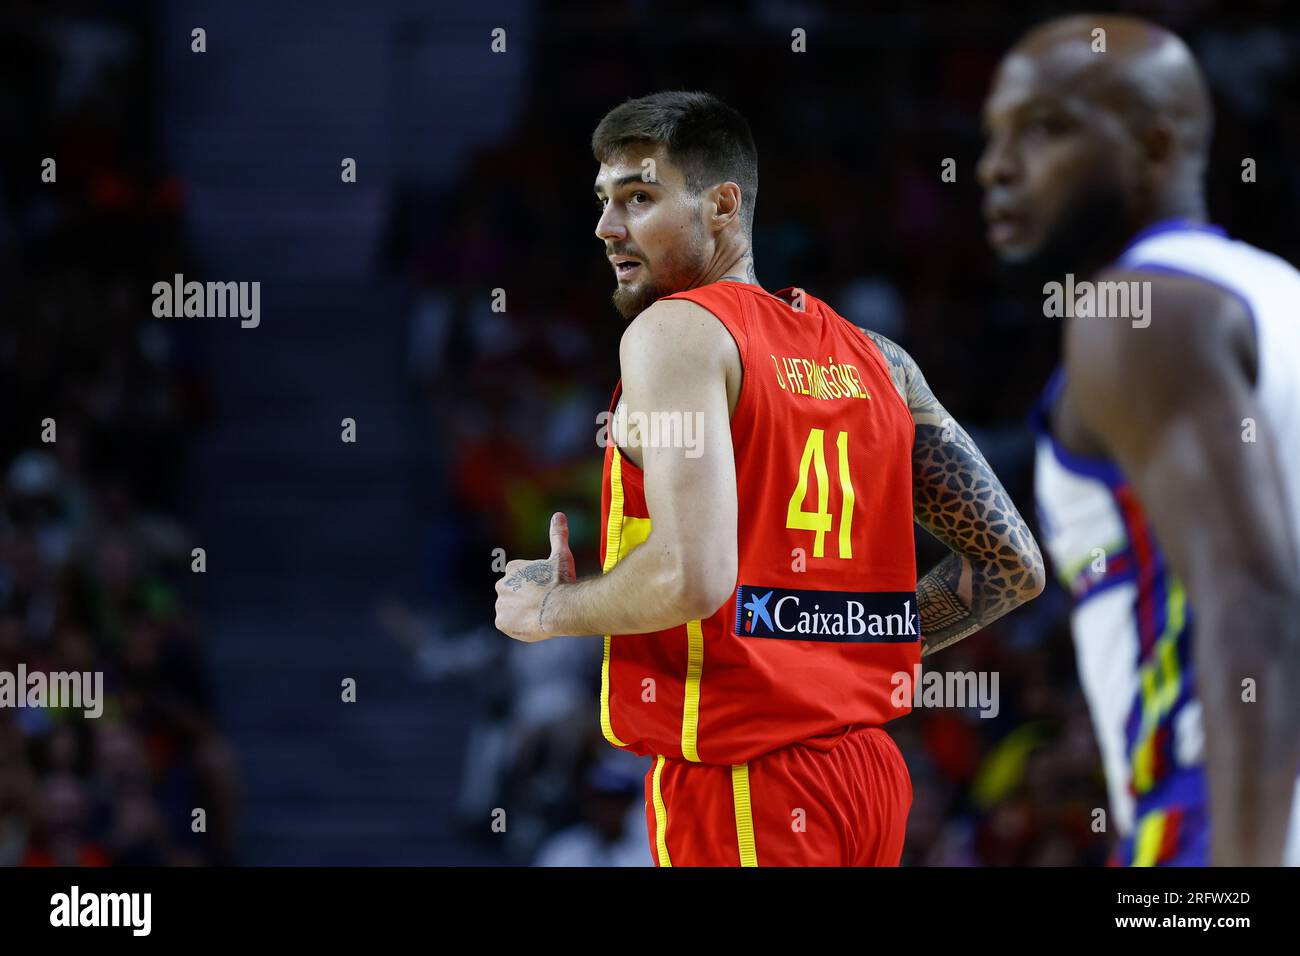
<point x="625" y="267"/>
<point x="1004" y="226"/>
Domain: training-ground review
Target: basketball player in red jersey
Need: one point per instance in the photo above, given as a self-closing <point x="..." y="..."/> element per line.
<point x="759" y="600"/>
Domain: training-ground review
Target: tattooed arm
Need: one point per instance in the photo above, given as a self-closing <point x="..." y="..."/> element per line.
<point x="995" y="564"/>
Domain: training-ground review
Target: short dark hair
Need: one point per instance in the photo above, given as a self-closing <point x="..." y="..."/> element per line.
<point x="708" y="139"/>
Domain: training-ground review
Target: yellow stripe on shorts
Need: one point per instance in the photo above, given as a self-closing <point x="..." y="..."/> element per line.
<point x="691" y="700"/>
<point x="661" y="816"/>
<point x="744" y="815"/>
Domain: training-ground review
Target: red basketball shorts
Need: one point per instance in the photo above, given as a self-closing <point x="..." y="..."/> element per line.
<point x="797" y="806"/>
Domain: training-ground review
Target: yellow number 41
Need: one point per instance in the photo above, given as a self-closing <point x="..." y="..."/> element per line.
<point x="819" y="521"/>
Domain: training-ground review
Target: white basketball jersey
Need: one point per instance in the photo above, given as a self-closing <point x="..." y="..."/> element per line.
<point x="1132" y="620"/>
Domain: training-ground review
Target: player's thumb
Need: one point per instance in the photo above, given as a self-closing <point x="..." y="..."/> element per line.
<point x="559" y="534"/>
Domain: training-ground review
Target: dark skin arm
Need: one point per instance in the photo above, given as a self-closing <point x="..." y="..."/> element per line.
<point x="1168" y="402"/>
<point x="995" y="563"/>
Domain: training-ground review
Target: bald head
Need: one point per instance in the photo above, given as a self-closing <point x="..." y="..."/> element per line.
<point x="1138" y="70"/>
<point x="1098" y="117"/>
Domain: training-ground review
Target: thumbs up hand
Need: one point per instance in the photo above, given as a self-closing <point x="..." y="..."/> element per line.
<point x="560" y="553"/>
<point x="525" y="586"/>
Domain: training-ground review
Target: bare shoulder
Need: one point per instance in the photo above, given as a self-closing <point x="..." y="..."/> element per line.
<point x="676" y="340"/>
<point x="674" y="324"/>
<point x="1182" y="327"/>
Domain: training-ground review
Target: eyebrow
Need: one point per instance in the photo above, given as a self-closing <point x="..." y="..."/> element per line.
<point x="1036" y="102"/>
<point x="624" y="180"/>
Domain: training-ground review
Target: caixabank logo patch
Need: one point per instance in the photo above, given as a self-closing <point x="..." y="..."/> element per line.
<point x="840" y="616"/>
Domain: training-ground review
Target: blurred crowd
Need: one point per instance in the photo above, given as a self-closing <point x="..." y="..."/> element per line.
<point x="851" y="206"/>
<point x="101" y="403"/>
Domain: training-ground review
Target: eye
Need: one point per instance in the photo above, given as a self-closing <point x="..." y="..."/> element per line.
<point x="600" y="203"/>
<point x="644" y="197"/>
<point x="1046" y="126"/>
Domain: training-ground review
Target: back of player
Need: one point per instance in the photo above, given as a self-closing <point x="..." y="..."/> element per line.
<point x="765" y="717"/>
<point x="1133" y="624"/>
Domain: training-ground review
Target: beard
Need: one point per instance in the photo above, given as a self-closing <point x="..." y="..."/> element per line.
<point x="632" y="300"/>
<point x="679" y="268"/>
<point x="1088" y="235"/>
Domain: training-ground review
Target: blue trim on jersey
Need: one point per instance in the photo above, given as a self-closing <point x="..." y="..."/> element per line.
<point x="1185" y="791"/>
<point x="1172" y="225"/>
<point x="1104" y="584"/>
<point x="1187" y="691"/>
<point x="1102" y="469"/>
<point x="1151" y="598"/>
<point x="1183" y="788"/>
<point x="1160" y="267"/>
<point x="1155" y="597"/>
<point x="1039" y="420"/>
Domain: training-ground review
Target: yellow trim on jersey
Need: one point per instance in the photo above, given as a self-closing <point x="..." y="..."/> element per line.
<point x="744" y="814"/>
<point x="1159" y="680"/>
<point x="661" y="816"/>
<point x="613" y="532"/>
<point x="614" y="527"/>
<point x="622" y="534"/>
<point x="1150" y="834"/>
<point x="1067" y="574"/>
<point x="691" y="703"/>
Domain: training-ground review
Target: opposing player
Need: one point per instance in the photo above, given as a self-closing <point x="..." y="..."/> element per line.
<point x="759" y="601"/>
<point x="1168" y="471"/>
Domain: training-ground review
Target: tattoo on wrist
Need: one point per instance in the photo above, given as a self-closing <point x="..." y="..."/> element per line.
<point x="958" y="499"/>
<point x="541" y="611"/>
<point x="938" y="605"/>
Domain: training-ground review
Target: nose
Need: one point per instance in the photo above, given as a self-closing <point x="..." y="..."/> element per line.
<point x="610" y="226"/>
<point x="998" y="164"/>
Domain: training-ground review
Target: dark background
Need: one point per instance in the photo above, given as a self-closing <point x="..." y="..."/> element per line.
<point x="373" y="560"/>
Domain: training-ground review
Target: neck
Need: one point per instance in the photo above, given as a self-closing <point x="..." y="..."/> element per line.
<point x="1183" y="205"/>
<point x="1177" y="205"/>
<point x="740" y="269"/>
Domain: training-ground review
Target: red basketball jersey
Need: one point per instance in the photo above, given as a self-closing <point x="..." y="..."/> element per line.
<point x="824" y="611"/>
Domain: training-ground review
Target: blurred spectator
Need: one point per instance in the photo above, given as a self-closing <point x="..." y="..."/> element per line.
<point x="93" y="560"/>
<point x="613" y="831"/>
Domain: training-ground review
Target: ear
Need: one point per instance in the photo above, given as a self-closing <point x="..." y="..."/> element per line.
<point x="727" y="202"/>
<point x="1162" y="144"/>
